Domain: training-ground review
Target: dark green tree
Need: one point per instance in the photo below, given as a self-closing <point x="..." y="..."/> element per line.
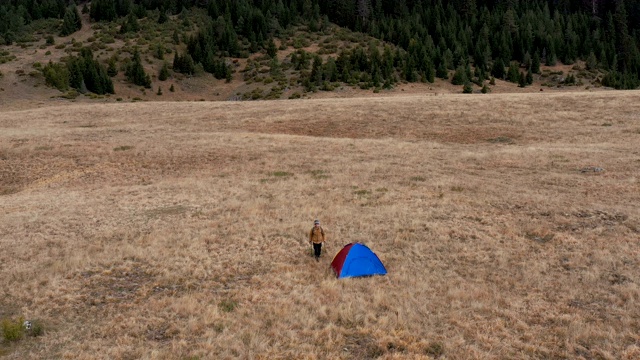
<point x="103" y="10"/>
<point x="184" y="64"/>
<point x="130" y="24"/>
<point x="535" y="63"/>
<point x="71" y="22"/>
<point x="498" y="69"/>
<point x="522" y="80"/>
<point x="442" y="72"/>
<point x="272" y="51"/>
<point x="459" y="77"/>
<point x="513" y="75"/>
<point x="112" y="68"/>
<point x="176" y="37"/>
<point x="163" y="18"/>
<point x="163" y="74"/>
<point x="591" y="63"/>
<point x="135" y="72"/>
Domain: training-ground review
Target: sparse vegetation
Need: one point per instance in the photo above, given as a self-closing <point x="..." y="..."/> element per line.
<point x="180" y="237"/>
<point x="501" y="140"/>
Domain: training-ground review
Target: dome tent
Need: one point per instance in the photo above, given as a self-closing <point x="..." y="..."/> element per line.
<point x="356" y="259"/>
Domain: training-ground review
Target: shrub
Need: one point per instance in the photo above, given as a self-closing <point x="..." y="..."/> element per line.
<point x="71" y="94"/>
<point x="36" y="329"/>
<point x="12" y="329"/>
<point x="56" y="75"/>
<point x="570" y="80"/>
<point x="435" y="349"/>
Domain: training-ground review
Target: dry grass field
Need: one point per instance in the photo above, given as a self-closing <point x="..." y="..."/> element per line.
<point x="509" y="225"/>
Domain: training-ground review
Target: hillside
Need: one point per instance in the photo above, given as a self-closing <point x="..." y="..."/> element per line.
<point x="298" y="55"/>
<point x="178" y="229"/>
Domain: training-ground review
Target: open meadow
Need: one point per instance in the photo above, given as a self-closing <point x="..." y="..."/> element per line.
<point x="509" y="225"/>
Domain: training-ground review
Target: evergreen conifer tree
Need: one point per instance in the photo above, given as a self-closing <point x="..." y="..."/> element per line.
<point x="176" y="37"/>
<point x="522" y="80"/>
<point x="535" y="63"/>
<point x="442" y="72"/>
<point x="112" y="69"/>
<point x="135" y="72"/>
<point x="272" y="51"/>
<point x="513" y="75"/>
<point x="130" y="24"/>
<point x="498" y="69"/>
<point x="163" y="18"/>
<point x="164" y="72"/>
<point x="71" y="22"/>
<point x="459" y="77"/>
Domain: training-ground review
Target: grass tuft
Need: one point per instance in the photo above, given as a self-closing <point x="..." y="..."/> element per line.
<point x="501" y="140"/>
<point x="435" y="349"/>
<point x="228" y="305"/>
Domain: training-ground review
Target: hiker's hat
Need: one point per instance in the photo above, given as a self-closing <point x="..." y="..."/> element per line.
<point x="317" y="222"/>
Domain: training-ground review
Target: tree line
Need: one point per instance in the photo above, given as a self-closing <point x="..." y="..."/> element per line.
<point x="432" y="37"/>
<point x="606" y="33"/>
<point x="438" y="36"/>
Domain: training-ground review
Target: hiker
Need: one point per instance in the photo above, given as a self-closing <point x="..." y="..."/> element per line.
<point x="316" y="237"/>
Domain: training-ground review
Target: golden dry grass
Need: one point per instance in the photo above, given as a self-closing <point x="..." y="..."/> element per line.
<point x="177" y="230"/>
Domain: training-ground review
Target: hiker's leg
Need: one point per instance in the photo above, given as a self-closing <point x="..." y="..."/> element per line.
<point x="316" y="249"/>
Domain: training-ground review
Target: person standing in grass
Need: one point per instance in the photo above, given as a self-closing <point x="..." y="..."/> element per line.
<point x="316" y="238"/>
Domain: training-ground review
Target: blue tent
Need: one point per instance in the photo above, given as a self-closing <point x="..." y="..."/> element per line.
<point x="357" y="260"/>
